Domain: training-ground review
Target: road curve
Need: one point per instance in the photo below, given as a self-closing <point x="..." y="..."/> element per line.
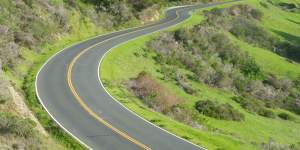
<point x="69" y="89"/>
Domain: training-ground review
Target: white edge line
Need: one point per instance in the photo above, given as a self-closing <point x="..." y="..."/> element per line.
<point x="99" y="78"/>
<point x="57" y="53"/>
<point x="66" y="130"/>
<point x="40" y="100"/>
<point x="76" y="43"/>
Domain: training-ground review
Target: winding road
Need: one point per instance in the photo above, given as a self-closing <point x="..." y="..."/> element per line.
<point x="69" y="88"/>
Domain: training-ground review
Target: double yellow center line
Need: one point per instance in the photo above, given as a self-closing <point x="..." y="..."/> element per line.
<point x="86" y="107"/>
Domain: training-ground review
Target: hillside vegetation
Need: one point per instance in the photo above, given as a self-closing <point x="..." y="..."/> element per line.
<point x="33" y="30"/>
<point x="228" y="78"/>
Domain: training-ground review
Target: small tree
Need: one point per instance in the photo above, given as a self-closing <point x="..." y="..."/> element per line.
<point x="250" y="68"/>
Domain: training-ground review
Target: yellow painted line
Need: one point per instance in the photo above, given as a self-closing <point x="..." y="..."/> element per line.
<point x="85" y="106"/>
<point x="92" y="113"/>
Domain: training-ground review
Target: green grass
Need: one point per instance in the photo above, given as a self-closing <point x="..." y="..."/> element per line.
<point x="281" y="24"/>
<point x="31" y="65"/>
<point x="23" y="75"/>
<point x="122" y="63"/>
<point x="271" y="62"/>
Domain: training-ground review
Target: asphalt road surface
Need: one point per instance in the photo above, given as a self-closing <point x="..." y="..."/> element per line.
<point x="69" y="89"/>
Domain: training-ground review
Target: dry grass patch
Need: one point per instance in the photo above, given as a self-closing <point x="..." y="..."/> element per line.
<point x="152" y="93"/>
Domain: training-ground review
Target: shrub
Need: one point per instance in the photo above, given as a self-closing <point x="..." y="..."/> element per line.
<point x="61" y="16"/>
<point x="182" y="114"/>
<point x="9" y="50"/>
<point x="245" y="11"/>
<point x="291" y="7"/>
<point x="250" y="68"/>
<point x="260" y="91"/>
<point x="181" y="81"/>
<point x="152" y="93"/>
<point x="267" y="113"/>
<point x="28" y="2"/>
<point x="168" y="72"/>
<point x="287" y="49"/>
<point x="218" y="111"/>
<point x="12" y="124"/>
<point x="256" y="14"/>
<point x="25" y="39"/>
<point x="139" y="5"/>
<point x="252" y="33"/>
<point x="224" y="17"/>
<point x="240" y="82"/>
<point x="297" y="82"/>
<point x="254" y="106"/>
<point x="285" y="116"/>
<point x="292" y="102"/>
<point x="165" y="44"/>
<point x="250" y="105"/>
<point x="204" y="51"/>
<point x="20" y="132"/>
<point x="4" y="92"/>
<point x="283" y="84"/>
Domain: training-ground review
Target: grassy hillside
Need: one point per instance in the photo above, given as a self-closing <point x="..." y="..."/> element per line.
<point x="31" y="32"/>
<point x="273" y="126"/>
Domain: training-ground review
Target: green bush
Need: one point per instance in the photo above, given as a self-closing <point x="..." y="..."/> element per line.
<point x="250" y="68"/>
<point x="289" y="6"/>
<point x="267" y="113"/>
<point x="285" y="116"/>
<point x="215" y="60"/>
<point x="218" y="111"/>
<point x="250" y="105"/>
<point x="287" y="49"/>
<point x="292" y="102"/>
<point x="254" y="106"/>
